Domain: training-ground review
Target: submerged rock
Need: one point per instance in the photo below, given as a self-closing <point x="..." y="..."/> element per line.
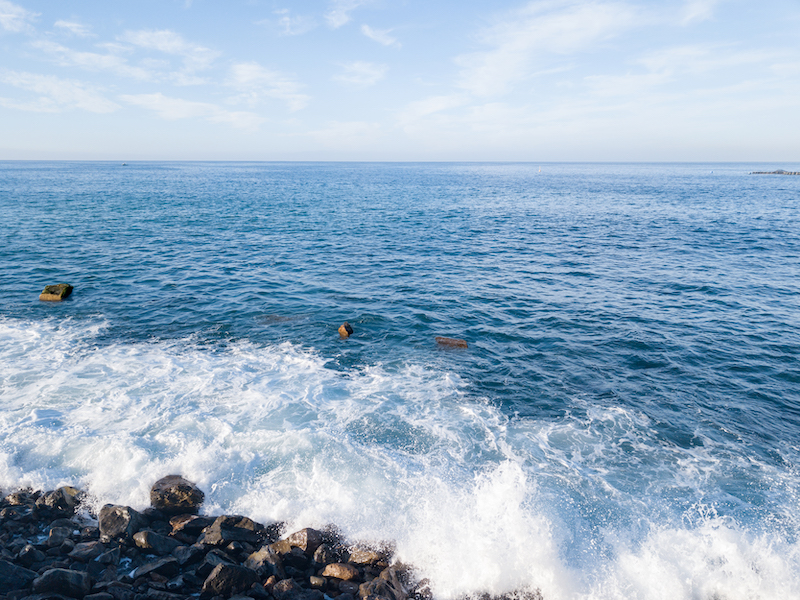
<point x="453" y="342"/>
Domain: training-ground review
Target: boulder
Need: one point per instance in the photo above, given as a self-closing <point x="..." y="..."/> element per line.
<point x="56" y="292"/>
<point x="308" y="540"/>
<point x="167" y="566"/>
<point x="119" y="522"/>
<point x="14" y="578"/>
<point x="364" y="555"/>
<point x="57" y="536"/>
<point x="211" y="561"/>
<point x="266" y="563"/>
<point x="29" y="555"/>
<point x="226" y="580"/>
<point x="231" y="528"/>
<point x="63" y="500"/>
<point x="174" y="495"/>
<point x="341" y="571"/>
<point x="387" y="585"/>
<point x="190" y="524"/>
<point x="188" y="555"/>
<point x="75" y="584"/>
<point x="86" y="551"/>
<point x="158" y="544"/>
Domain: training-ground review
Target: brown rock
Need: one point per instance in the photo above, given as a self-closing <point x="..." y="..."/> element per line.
<point x="175" y="495"/>
<point x="308" y="540"/>
<point x="345" y="330"/>
<point x="55" y="293"/>
<point x="387" y="585"/>
<point x="453" y="342"/>
<point x="341" y="571"/>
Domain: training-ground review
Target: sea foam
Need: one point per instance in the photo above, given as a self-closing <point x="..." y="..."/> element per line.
<point x="477" y="501"/>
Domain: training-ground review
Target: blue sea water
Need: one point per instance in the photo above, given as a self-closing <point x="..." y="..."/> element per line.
<point x="624" y="424"/>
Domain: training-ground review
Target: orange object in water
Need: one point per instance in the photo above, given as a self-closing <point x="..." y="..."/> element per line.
<point x="446" y="341"/>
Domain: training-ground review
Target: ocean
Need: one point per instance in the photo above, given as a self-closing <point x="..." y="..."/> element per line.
<point x="625" y="422"/>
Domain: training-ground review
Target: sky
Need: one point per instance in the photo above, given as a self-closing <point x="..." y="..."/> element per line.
<point x="400" y="80"/>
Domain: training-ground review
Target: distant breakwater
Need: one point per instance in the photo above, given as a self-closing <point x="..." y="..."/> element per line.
<point x="778" y="172"/>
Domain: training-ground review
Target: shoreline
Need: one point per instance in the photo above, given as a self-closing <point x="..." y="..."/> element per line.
<point x="52" y="549"/>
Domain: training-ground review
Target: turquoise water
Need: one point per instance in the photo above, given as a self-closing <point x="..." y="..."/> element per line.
<point x="624" y="424"/>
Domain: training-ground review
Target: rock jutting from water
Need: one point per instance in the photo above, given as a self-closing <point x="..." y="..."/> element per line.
<point x="55" y="293"/>
<point x="50" y="552"/>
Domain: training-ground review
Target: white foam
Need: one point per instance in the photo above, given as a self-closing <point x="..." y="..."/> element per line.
<point x="478" y="502"/>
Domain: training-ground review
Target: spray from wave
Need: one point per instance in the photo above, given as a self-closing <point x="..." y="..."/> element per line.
<point x="478" y="501"/>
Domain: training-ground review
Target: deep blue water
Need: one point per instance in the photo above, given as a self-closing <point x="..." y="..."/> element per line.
<point x="625" y="421"/>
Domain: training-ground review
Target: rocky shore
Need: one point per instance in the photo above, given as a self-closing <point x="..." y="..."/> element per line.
<point x="51" y="548"/>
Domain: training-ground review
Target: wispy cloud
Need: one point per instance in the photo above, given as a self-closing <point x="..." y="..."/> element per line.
<point x="539" y="29"/>
<point x="380" y="35"/>
<point x="74" y="28"/>
<point x="289" y="24"/>
<point x="429" y="106"/>
<point x="339" y="12"/>
<point x="361" y="73"/>
<point x="92" y="61"/>
<point x="195" y="57"/>
<point x="254" y="83"/>
<point x="698" y="10"/>
<point x="173" y="109"/>
<point x="55" y="94"/>
<point x="14" y="18"/>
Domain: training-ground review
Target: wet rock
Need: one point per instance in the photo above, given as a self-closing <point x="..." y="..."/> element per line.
<point x="57" y="536"/>
<point x="155" y="594"/>
<point x="308" y="540"/>
<point x="158" y="544"/>
<point x="99" y="596"/>
<point x="190" y="524"/>
<point x="364" y="555"/>
<point x="56" y="292"/>
<point x="388" y="585"/>
<point x="188" y="555"/>
<point x="288" y="589"/>
<point x="348" y="587"/>
<point x="231" y="528"/>
<point x="119" y="522"/>
<point x="167" y="566"/>
<point x="86" y="551"/>
<point x="265" y="562"/>
<point x="63" y="581"/>
<point x="211" y="561"/>
<point x="30" y="554"/>
<point x="62" y="501"/>
<point x="345" y="330"/>
<point x="226" y="580"/>
<point x="13" y="577"/>
<point x="341" y="571"/>
<point x="110" y="557"/>
<point x="174" y="495"/>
